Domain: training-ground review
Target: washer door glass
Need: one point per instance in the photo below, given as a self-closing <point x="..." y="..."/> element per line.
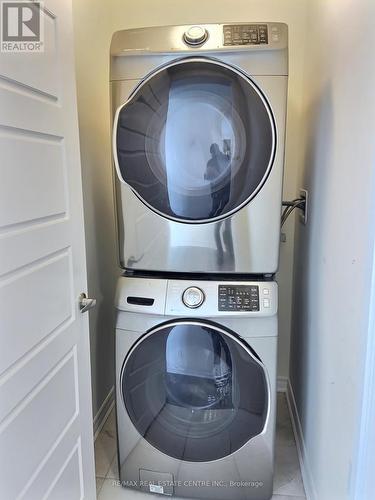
<point x="195" y="141"/>
<point x="194" y="391"/>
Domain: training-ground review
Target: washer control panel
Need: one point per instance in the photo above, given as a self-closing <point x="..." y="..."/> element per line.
<point x="238" y="298"/>
<point x="207" y="299"/>
<point x="193" y="297"/>
<point x="245" y="34"/>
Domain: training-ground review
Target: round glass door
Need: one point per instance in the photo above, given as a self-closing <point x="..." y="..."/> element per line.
<point x="195" y="141"/>
<point x="194" y="391"/>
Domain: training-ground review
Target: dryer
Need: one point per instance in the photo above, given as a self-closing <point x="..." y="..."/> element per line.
<point x="198" y="146"/>
<point x="196" y="387"/>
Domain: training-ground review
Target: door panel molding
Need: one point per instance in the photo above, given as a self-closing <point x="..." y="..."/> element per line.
<point x="46" y="437"/>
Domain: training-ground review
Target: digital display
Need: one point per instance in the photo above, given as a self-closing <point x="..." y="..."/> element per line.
<point x="245" y="34"/>
<point x="238" y="298"/>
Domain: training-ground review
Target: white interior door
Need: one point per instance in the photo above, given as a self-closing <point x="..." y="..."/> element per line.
<point x="46" y="441"/>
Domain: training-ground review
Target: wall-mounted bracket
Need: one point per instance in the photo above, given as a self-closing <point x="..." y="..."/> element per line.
<point x="303" y="193"/>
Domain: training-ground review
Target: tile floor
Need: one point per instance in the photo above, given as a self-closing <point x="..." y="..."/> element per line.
<point x="287" y="484"/>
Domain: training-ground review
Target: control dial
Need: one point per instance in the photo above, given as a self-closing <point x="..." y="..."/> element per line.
<point x="195" y="35"/>
<point x="193" y="297"/>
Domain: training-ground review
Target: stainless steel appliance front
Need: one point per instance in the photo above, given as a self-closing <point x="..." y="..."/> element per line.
<point x="198" y="145"/>
<point x="196" y="396"/>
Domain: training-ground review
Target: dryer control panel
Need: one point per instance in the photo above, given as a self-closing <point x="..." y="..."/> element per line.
<point x="227" y="37"/>
<point x="245" y="34"/>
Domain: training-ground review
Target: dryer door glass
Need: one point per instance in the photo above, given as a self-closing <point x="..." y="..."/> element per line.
<point x="194" y="391"/>
<point x="195" y="141"/>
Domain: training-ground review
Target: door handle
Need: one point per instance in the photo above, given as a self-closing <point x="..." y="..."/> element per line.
<point x="85" y="303"/>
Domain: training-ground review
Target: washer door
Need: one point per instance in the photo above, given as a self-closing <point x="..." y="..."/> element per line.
<point x="195" y="141"/>
<point x="194" y="390"/>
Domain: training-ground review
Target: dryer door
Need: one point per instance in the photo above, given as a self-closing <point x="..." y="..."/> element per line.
<point x="195" y="391"/>
<point x="196" y="140"/>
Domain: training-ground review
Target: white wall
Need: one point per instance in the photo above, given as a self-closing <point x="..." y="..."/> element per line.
<point x="95" y="21"/>
<point x="334" y="251"/>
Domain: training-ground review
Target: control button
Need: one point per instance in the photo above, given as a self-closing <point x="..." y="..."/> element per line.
<point x="193" y="297"/>
<point x="195" y="35"/>
<point x="266" y="302"/>
<point x="275" y="38"/>
<point x="266" y="291"/>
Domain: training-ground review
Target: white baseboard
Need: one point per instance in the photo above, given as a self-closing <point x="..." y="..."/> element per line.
<point x="282" y="384"/>
<point x="301" y="448"/>
<point x="103" y="412"/>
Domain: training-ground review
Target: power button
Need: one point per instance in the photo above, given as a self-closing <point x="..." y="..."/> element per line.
<point x="193" y="297"/>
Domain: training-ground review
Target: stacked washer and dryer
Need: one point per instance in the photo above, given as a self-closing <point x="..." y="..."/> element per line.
<point x="198" y="144"/>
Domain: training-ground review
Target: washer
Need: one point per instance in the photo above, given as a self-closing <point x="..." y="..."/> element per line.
<point x="198" y="145"/>
<point x="196" y="387"/>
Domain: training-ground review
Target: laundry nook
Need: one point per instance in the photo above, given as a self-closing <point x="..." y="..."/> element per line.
<point x="187" y="250"/>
